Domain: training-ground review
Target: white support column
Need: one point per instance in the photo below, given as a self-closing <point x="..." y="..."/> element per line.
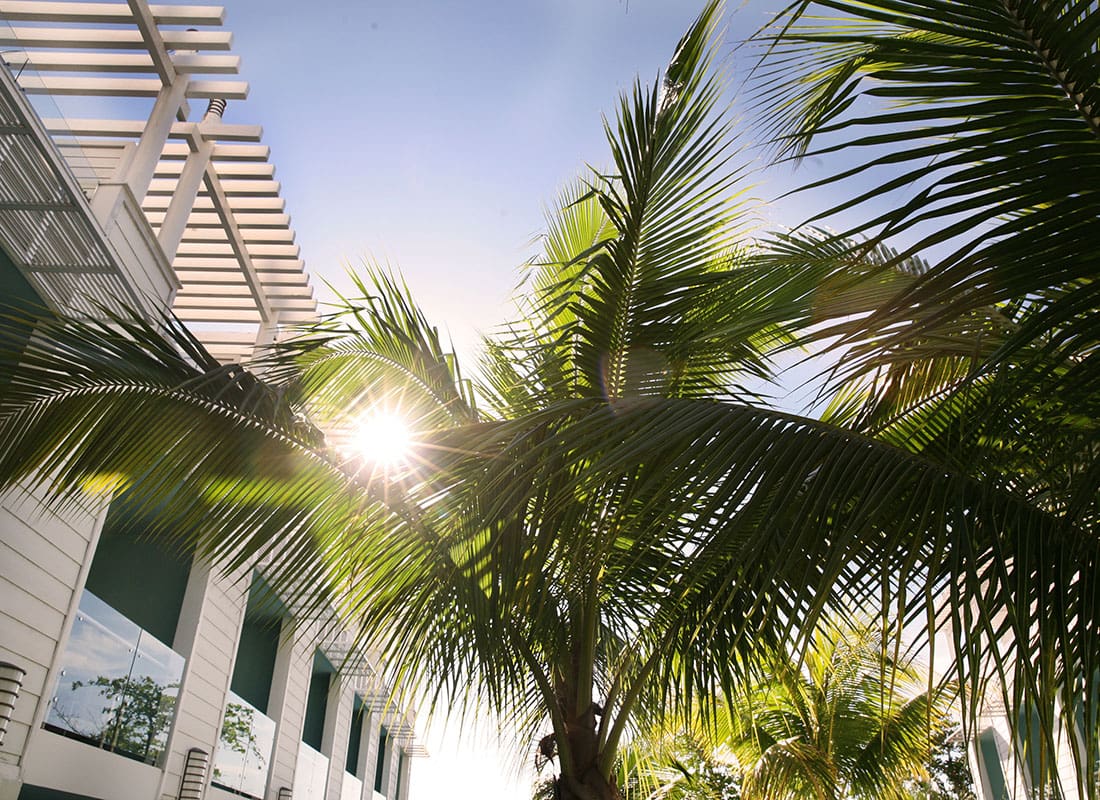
<point x="334" y="743"/>
<point x="368" y="754"/>
<point x="389" y="777"/>
<point x="368" y="738"/>
<point x="206" y="635"/>
<point x="138" y="171"/>
<point x="183" y="198"/>
<point x="287" y="704"/>
<point x="406" y="773"/>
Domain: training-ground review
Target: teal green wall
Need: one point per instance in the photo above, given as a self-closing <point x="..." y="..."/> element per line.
<point x="16" y="295"/>
<point x="991" y="763"/>
<point x="28" y="792"/>
<point x="259" y="645"/>
<point x="320" y="681"/>
<point x="255" y="662"/>
<point x="139" y="577"/>
<point x="383" y="740"/>
<point x="14" y="289"/>
<point x="358" y="715"/>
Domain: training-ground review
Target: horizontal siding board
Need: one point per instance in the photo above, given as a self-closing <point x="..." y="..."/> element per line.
<point x="32" y="645"/>
<point x="33" y="609"/>
<point x="36" y="673"/>
<point x="57" y="558"/>
<point x="75" y="515"/>
<point x="21" y="571"/>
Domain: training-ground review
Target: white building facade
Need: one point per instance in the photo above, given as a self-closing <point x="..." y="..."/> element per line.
<point x="129" y="671"/>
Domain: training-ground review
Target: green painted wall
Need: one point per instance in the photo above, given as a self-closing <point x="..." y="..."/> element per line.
<point x="28" y="792"/>
<point x="16" y="296"/>
<point x="139" y="577"/>
<point x="255" y="662"/>
<point x="358" y="716"/>
<point x="383" y="740"/>
<point x="259" y="645"/>
<point x="991" y="763"/>
<point x="320" y="681"/>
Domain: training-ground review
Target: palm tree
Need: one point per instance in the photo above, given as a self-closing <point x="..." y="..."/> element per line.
<point x="852" y="719"/>
<point x="614" y="531"/>
<point x="980" y="122"/>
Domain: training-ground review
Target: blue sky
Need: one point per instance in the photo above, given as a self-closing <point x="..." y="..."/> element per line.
<point x="431" y="135"/>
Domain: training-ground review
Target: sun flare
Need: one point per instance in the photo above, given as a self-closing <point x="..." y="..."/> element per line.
<point x="382" y="438"/>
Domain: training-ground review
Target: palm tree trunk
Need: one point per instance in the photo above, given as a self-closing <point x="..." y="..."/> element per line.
<point x="581" y="778"/>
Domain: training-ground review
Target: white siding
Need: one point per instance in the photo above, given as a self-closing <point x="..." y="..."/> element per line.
<point x="337" y="728"/>
<point x="44" y="555"/>
<point x="287" y="704"/>
<point x="209" y="625"/>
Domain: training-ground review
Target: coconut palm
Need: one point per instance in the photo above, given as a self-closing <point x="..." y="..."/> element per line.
<point x="616" y="527"/>
<point x="852" y="719"/>
<point x="978" y="124"/>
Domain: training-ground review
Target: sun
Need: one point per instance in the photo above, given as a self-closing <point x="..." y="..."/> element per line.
<point x="382" y="438"/>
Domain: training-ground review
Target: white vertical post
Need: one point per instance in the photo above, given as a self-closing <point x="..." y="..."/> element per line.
<point x="364" y="768"/>
<point x="138" y="172"/>
<point x="337" y="730"/>
<point x="406" y="772"/>
<point x="389" y="777"/>
<point x="372" y="727"/>
<point x="183" y="199"/>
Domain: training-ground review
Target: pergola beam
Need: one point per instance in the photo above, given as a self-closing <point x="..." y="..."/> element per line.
<point x="106" y="13"/>
<point x="239" y="248"/>
<point x="111" y="39"/>
<point x="246" y="222"/>
<point x="127" y="87"/>
<point x="132" y="128"/>
<point x="68" y="61"/>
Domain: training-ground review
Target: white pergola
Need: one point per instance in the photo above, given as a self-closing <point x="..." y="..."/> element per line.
<point x="171" y="208"/>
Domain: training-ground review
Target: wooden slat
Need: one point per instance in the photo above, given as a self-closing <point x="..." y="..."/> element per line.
<point x="262" y="265"/>
<point x="195" y="292"/>
<point x="132" y="128"/>
<point x="289" y="317"/>
<point x="62" y="61"/>
<point x="112" y="13"/>
<point x="230" y="277"/>
<point x="222" y="152"/>
<point x="203" y="203"/>
<point x="208" y="219"/>
<point x="111" y="38"/>
<point x="126" y="87"/>
<point x="251" y="235"/>
<point x="226" y="169"/>
<point x="191" y="304"/>
<point x="199" y="249"/>
<point x="233" y="188"/>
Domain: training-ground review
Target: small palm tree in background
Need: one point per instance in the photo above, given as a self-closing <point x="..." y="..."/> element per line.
<point x="849" y="720"/>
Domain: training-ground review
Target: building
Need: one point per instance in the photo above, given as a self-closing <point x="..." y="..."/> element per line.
<point x="128" y="671"/>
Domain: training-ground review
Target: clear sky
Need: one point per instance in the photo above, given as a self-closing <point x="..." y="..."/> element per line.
<point x="430" y="135"/>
